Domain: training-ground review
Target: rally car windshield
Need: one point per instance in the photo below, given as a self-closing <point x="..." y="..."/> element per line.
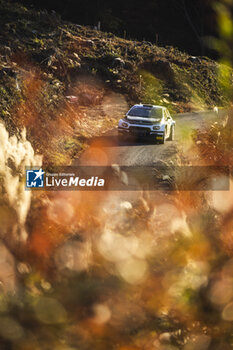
<point x="155" y="113"/>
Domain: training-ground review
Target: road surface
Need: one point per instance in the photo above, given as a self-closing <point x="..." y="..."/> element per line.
<point x="107" y="149"/>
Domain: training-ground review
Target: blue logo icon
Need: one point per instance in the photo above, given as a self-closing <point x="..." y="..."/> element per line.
<point x="35" y="178"/>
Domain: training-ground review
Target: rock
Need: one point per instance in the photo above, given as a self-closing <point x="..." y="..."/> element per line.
<point x="90" y="43"/>
<point x="166" y="178"/>
<point x="118" y="63"/>
<point x="80" y="41"/>
<point x="72" y="99"/>
<point x="194" y="59"/>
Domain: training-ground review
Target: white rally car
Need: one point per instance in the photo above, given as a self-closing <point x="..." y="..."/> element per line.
<point x="144" y="120"/>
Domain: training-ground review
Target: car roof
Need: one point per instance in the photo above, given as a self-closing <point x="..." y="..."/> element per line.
<point x="149" y="105"/>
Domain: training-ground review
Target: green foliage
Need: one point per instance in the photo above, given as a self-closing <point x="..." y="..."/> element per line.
<point x="152" y="86"/>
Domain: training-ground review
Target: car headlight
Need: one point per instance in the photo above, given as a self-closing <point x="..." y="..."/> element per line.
<point x="156" y="127"/>
<point x="124" y="125"/>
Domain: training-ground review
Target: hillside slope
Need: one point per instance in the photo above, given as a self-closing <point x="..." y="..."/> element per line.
<point x="65" y="82"/>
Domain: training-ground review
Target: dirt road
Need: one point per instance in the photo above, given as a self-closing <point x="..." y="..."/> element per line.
<point x="107" y="149"/>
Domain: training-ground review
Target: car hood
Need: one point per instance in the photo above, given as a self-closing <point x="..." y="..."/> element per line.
<point x="154" y="120"/>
